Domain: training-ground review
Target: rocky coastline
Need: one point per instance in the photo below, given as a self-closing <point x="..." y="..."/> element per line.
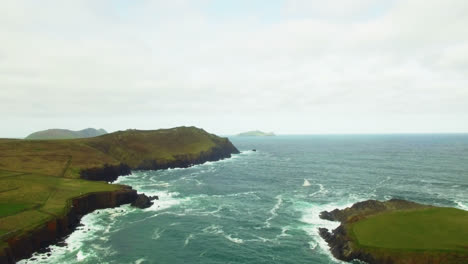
<point x="24" y="245"/>
<point x="110" y="173"/>
<point x="344" y="247"/>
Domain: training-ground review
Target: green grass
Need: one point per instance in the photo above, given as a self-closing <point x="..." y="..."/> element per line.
<point x="35" y="199"/>
<point x="439" y="228"/>
<point x="11" y="208"/>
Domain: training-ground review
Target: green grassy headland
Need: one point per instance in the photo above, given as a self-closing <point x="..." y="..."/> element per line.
<point x="398" y="231"/>
<point x="38" y="178"/>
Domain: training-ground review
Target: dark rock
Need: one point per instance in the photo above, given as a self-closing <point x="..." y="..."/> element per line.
<point x="142" y="201"/>
<point x="108" y="173"/>
<point x="254" y="150"/>
<point x="152" y="198"/>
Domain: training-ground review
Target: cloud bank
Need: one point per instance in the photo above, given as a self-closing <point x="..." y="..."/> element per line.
<point x="290" y="66"/>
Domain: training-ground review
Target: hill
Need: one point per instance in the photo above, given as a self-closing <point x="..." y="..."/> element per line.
<point x="66" y="134"/>
<point x="398" y="231"/>
<point x="256" y="133"/>
<point x="45" y="185"/>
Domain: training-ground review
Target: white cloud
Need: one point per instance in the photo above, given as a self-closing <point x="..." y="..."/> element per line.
<point x="337" y="67"/>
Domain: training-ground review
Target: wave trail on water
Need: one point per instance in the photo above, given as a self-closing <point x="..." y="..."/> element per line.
<point x="273" y="211"/>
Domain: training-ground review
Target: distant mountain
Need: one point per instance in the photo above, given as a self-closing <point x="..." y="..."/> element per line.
<point x="66" y="134"/>
<point x="256" y="133"/>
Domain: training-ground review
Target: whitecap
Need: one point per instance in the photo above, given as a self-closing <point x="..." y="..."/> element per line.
<point x="234" y="239"/>
<point x="321" y="190"/>
<point x="166" y="200"/>
<point x="157" y="233"/>
<point x="139" y="261"/>
<point x="80" y="256"/>
<point x="311" y="218"/>
<point x="461" y="205"/>
<point x="187" y="240"/>
<point x="279" y="201"/>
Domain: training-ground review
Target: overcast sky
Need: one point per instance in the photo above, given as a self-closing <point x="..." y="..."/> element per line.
<point x="288" y="66"/>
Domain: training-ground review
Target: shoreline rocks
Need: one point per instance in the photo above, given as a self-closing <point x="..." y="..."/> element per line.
<point x="142" y="201"/>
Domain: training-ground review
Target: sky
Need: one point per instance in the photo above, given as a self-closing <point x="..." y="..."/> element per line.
<point x="288" y="66"/>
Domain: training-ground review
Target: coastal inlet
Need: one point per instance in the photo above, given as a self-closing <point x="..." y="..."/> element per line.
<point x="254" y="207"/>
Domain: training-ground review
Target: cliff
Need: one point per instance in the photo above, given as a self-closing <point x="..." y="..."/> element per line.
<point x="398" y="231"/>
<point x="24" y="244"/>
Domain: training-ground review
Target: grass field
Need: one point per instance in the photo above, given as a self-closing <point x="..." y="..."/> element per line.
<point x="29" y="200"/>
<point x="439" y="228"/>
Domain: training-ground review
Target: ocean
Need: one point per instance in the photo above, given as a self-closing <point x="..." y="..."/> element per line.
<point x="262" y="206"/>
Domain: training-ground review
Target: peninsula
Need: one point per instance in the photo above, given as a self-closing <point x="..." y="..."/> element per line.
<point x="398" y="231"/>
<point x="46" y="186"/>
<point x="256" y="133"/>
<point x="66" y="134"/>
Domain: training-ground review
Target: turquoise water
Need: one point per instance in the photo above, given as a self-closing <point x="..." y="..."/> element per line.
<point x="253" y="207"/>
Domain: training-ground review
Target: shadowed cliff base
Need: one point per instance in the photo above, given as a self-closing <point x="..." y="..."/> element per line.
<point x="398" y="231"/>
<point x="65" y="179"/>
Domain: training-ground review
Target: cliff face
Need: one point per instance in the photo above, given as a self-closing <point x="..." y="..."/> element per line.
<point x="108" y="173"/>
<point x="22" y="246"/>
<point x="219" y="152"/>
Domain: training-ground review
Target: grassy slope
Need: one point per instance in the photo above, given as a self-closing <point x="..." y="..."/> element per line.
<point x="28" y="200"/>
<point x="37" y="178"/>
<point x="436" y="228"/>
<point x="65" y="158"/>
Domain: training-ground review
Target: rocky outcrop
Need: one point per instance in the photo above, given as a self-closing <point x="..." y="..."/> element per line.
<point x="142" y="201"/>
<point x="344" y="247"/>
<point x="108" y="173"/>
<point x="23" y="245"/>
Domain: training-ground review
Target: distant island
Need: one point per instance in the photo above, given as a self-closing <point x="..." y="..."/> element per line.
<point x="66" y="134"/>
<point x="398" y="231"/>
<point x="256" y="133"/>
<point x="48" y="185"/>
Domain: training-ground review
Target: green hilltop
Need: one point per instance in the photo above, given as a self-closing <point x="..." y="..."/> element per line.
<point x="66" y="134"/>
<point x="38" y="178"/>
